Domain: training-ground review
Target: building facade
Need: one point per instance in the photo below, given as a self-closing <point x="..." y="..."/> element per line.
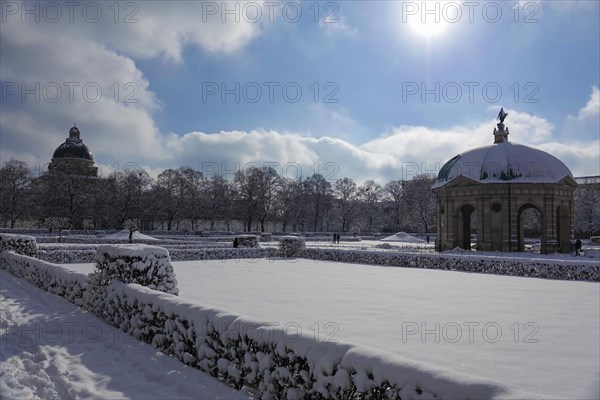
<point x="497" y="184"/>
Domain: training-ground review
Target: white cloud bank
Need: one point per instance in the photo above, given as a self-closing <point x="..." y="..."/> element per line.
<point x="121" y="132"/>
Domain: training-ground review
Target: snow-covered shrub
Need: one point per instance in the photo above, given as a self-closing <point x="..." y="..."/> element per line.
<point x="266" y="237"/>
<point x="50" y="277"/>
<point x="142" y="264"/>
<point x="220" y="253"/>
<point x="146" y="265"/>
<point x="291" y="246"/>
<point x="250" y="241"/>
<point x="68" y="256"/>
<point x="595" y="240"/>
<point x="464" y="263"/>
<point x="20" y="244"/>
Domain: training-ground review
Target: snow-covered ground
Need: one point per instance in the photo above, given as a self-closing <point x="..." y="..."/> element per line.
<point x="537" y="335"/>
<point x="50" y="349"/>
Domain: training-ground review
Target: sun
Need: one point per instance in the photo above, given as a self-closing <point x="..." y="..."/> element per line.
<point x="428" y="28"/>
<point x="431" y="18"/>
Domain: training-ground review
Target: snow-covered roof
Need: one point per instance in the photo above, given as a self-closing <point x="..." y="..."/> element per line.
<point x="73" y="147"/>
<point x="504" y="162"/>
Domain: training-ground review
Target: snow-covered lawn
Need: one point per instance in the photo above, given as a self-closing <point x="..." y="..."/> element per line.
<point x="537" y="335"/>
<point x="50" y="349"/>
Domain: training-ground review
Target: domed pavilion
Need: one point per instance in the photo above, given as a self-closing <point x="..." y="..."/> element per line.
<point x="73" y="157"/>
<point x="498" y="183"/>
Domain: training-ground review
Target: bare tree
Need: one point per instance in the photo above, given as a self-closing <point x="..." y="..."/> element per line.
<point x="246" y="183"/>
<point x="15" y="178"/>
<point x="319" y="195"/>
<point x="170" y="191"/>
<point x="587" y="208"/>
<point x="370" y="194"/>
<point x="394" y="190"/>
<point x="217" y="195"/>
<point x="347" y="199"/>
<point x="268" y="185"/>
<point x="420" y="202"/>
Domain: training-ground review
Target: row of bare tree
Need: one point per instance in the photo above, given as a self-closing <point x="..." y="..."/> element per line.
<point x="257" y="199"/>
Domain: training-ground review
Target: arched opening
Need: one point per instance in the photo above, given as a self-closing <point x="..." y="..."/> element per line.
<point x="466" y="222"/>
<point x="531" y="229"/>
<point x="563" y="229"/>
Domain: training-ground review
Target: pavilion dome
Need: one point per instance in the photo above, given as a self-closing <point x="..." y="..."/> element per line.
<point x="73" y="147"/>
<point x="504" y="162"/>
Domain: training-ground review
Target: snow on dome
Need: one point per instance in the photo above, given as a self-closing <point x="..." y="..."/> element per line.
<point x="504" y="162"/>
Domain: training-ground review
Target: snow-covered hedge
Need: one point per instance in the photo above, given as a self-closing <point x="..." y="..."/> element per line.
<point x="50" y="277"/>
<point x="135" y="263"/>
<point x="249" y="241"/>
<point x="20" y="244"/>
<point x="221" y="253"/>
<point x="291" y="246"/>
<point x="274" y="363"/>
<point x="68" y="256"/>
<point x="466" y="264"/>
<point x="266" y="237"/>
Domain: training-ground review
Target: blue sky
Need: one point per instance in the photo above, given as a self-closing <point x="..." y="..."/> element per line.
<point x="362" y="71"/>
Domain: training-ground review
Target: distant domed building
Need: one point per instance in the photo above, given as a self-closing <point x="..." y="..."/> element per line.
<point x="498" y="183"/>
<point x="73" y="157"/>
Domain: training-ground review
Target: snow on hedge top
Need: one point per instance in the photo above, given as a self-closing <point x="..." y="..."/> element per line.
<point x="504" y="162"/>
<point x="20" y="244"/>
<point x="402" y="237"/>
<point x="135" y="263"/>
<point x="142" y="251"/>
<point x="124" y="235"/>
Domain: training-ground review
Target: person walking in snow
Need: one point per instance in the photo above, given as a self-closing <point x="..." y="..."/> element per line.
<point x="578" y="247"/>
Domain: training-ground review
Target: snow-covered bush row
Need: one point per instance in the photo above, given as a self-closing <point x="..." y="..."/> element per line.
<point x="52" y="278"/>
<point x="275" y="363"/>
<point x="291" y="246"/>
<point x="266" y="237"/>
<point x="471" y="264"/>
<point x="20" y="244"/>
<point x="103" y="240"/>
<point x="68" y="256"/>
<point x="221" y="253"/>
<point x="71" y="256"/>
<point x="248" y="241"/>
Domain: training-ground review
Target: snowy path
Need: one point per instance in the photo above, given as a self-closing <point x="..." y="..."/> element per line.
<point x="50" y="349"/>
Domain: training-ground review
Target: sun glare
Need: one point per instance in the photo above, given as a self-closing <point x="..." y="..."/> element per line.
<point x="428" y="28"/>
<point x="429" y="18"/>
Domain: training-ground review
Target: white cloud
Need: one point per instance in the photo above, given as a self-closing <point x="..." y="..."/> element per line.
<point x="337" y="26"/>
<point x="592" y="107"/>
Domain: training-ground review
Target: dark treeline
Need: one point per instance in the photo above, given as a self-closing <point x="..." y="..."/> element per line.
<point x="256" y="199"/>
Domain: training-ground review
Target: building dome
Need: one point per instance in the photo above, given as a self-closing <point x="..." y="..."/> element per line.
<point x="73" y="147"/>
<point x="504" y="162"/>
